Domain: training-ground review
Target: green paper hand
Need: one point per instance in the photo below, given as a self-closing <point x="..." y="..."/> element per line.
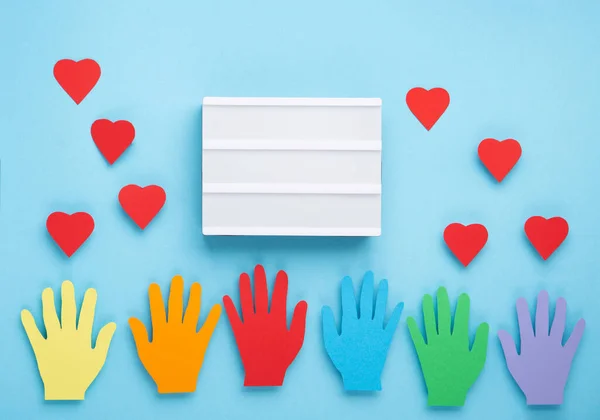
<point x="449" y="366"/>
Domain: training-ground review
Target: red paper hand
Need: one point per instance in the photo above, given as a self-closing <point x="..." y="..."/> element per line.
<point x="267" y="347"/>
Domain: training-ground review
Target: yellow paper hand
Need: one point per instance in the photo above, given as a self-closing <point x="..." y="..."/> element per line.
<point x="66" y="360"/>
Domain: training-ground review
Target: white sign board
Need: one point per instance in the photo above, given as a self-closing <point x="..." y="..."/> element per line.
<point x="291" y="166"/>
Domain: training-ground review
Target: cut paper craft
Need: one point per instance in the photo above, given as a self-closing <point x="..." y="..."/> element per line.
<point x="542" y="368"/>
<point x="267" y="347"/>
<point x="499" y="157"/>
<point x="449" y="367"/>
<point x="66" y="360"/>
<point x="70" y="231"/>
<point x="112" y="138"/>
<point x="360" y="351"/>
<point x="291" y="166"/>
<point x="427" y="105"/>
<point x="77" y="78"/>
<point x="465" y="242"/>
<point x="546" y="235"/>
<point x="142" y="204"/>
<point x="175" y="355"/>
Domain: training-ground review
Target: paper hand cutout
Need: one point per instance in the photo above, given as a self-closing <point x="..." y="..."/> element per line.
<point x="360" y="351"/>
<point x="542" y="368"/>
<point x="66" y="360"/>
<point x="174" y="356"/>
<point x="448" y="366"/>
<point x="267" y="347"/>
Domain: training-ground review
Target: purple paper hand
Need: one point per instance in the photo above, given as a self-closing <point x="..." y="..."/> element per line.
<point x="542" y="368"/>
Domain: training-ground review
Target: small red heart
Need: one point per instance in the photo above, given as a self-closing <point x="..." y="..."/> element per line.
<point x="112" y="138"/>
<point x="70" y="231"/>
<point x="465" y="242"/>
<point x="499" y="157"/>
<point x="546" y="235"/>
<point x="77" y="78"/>
<point x="142" y="204"/>
<point x="427" y="105"/>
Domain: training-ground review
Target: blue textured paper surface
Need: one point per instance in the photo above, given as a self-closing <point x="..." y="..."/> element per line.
<point x="522" y="69"/>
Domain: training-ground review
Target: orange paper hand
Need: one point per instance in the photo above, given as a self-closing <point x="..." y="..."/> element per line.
<point x="175" y="355"/>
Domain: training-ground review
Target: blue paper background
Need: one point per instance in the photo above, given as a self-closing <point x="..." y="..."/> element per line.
<point x="514" y="68"/>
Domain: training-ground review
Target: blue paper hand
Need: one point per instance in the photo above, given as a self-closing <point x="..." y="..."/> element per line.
<point x="359" y="352"/>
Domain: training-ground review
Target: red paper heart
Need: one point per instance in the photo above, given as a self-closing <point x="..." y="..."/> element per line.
<point x="77" y="78"/>
<point x="427" y="105"/>
<point x="499" y="157"/>
<point x="465" y="242"/>
<point x="112" y="138"/>
<point x="546" y="235"/>
<point x="142" y="204"/>
<point x="70" y="231"/>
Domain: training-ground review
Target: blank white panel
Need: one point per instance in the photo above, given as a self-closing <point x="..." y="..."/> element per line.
<point x="291" y="211"/>
<point x="292" y="123"/>
<point x="289" y="166"/>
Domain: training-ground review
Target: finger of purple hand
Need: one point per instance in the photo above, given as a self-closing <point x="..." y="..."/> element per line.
<point x="558" y="325"/>
<point x="541" y="315"/>
<point x="573" y="342"/>
<point x="525" y="328"/>
<point x="508" y="346"/>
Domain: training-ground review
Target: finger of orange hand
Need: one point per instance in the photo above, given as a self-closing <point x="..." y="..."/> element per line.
<point x="246" y="297"/>
<point x="140" y="336"/>
<point x="211" y="322"/>
<point x="176" y="301"/>
<point x="232" y="314"/>
<point x="192" y="312"/>
<point x="157" y="309"/>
